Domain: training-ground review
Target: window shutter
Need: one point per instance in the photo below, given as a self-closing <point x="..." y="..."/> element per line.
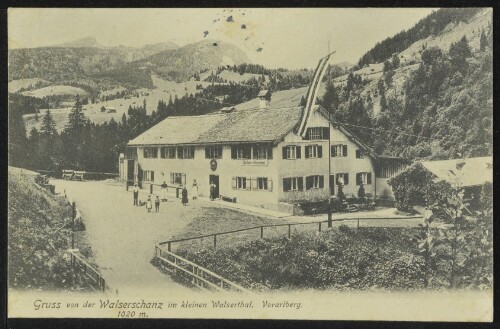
<point x="309" y="182"/>
<point x="358" y="178"/>
<point x="300" y="183"/>
<point x="333" y="151"/>
<point x="368" y="178"/>
<point x="321" y="181"/>
<point x="326" y="132"/>
<point x="298" y="151"/>
<point x="254" y="153"/>
<point x="233" y="183"/>
<point x="207" y="152"/>
<point x="249" y="183"/>
<point x="254" y="184"/>
<point x="346" y="179"/>
<point x="320" y="151"/>
<point x="172" y="181"/>
<point x="269" y="185"/>
<point x="306" y="155"/>
<point x="308" y="134"/>
<point x="270" y="153"/>
<point x="152" y="176"/>
<point x="184" y="181"/>
<point x="344" y="150"/>
<point x="179" y="152"/>
<point x="233" y="152"/>
<point x="284" y="152"/>
<point x="286" y="184"/>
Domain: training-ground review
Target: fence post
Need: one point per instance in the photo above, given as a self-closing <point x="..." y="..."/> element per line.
<point x="169" y="247"/>
<point x="262" y="232"/>
<point x="358" y="224"/>
<point x="289" y="231"/>
<point x="73" y="206"/>
<point x="215" y="241"/>
<point x="319" y="227"/>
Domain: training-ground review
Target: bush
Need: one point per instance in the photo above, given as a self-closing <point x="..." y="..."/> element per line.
<point x="415" y="187"/>
<point x="344" y="259"/>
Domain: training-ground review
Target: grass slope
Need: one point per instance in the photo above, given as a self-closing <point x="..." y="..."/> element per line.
<point x="37" y="239"/>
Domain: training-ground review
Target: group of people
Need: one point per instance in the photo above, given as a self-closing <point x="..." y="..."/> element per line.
<point x="164" y="187"/>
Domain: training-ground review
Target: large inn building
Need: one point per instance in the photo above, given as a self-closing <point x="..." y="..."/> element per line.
<point x="255" y="157"/>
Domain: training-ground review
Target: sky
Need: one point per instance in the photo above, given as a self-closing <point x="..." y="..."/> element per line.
<point x="291" y="38"/>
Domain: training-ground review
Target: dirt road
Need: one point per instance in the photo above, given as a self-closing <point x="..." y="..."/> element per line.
<point x="123" y="236"/>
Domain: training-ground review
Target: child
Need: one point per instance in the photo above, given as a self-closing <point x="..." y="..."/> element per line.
<point x="149" y="204"/>
<point x="157" y="203"/>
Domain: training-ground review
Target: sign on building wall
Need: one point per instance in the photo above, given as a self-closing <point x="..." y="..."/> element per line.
<point x="255" y="162"/>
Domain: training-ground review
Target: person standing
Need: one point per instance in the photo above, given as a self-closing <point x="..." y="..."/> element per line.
<point x="136" y="195"/>
<point x="157" y="203"/>
<point x="361" y="193"/>
<point x="149" y="204"/>
<point x="184" y="196"/>
<point x="212" y="191"/>
<point x="194" y="188"/>
<point x="164" y="188"/>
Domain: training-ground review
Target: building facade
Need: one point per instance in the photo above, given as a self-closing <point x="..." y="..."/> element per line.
<point x="253" y="157"/>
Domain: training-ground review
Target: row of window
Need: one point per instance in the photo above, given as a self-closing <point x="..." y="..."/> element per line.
<point x="297" y="183"/>
<point x="317" y="181"/>
<point x="256" y="184"/>
<point x="169" y="152"/>
<point x="211" y="152"/>
<point x="264" y="183"/>
<point x="248" y="152"/>
<point x="291" y="152"/>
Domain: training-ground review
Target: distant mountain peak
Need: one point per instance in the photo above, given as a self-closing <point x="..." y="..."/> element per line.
<point x="89" y="42"/>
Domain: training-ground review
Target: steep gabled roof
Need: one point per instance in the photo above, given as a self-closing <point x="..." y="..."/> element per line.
<point x="267" y="125"/>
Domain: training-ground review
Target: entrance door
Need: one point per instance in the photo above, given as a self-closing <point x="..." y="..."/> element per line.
<point x="214" y="179"/>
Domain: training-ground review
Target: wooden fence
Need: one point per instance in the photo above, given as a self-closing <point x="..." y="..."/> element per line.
<point x="261" y="229"/>
<point x="77" y="175"/>
<point x="90" y="275"/>
<point x="208" y="280"/>
<point x="198" y="275"/>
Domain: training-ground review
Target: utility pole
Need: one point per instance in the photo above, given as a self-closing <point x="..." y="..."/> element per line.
<point x="329" y="154"/>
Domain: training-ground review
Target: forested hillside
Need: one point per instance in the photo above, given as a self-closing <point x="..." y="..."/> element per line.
<point x="431" y="25"/>
<point x="437" y="107"/>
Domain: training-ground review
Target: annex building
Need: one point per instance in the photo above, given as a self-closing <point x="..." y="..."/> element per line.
<point x="255" y="156"/>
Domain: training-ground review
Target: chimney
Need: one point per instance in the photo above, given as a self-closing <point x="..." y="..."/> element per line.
<point x="264" y="99"/>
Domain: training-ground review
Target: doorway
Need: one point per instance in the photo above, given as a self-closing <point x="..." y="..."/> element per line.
<point x="214" y="179"/>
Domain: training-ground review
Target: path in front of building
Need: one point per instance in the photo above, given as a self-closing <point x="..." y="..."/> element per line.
<point x="123" y="237"/>
<point x="380" y="217"/>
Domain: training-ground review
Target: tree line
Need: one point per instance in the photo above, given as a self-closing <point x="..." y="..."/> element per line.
<point x="433" y="24"/>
